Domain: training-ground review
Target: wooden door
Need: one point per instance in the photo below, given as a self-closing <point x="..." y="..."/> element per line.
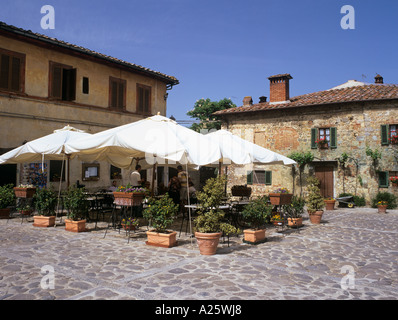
<point x="325" y="176"/>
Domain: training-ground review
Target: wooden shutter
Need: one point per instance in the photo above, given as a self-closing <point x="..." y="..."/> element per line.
<point x="56" y="82"/>
<point x="333" y="138"/>
<point x="113" y="94"/>
<point x="383" y="179"/>
<point x="250" y="177"/>
<point x="314" y="137"/>
<point x="147" y="94"/>
<point x="4" y="71"/>
<point x="120" y="95"/>
<point x="384" y="134"/>
<point x="268" y="177"/>
<point x="140" y="99"/>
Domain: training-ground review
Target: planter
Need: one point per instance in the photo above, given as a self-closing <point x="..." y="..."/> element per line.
<point x="241" y="191"/>
<point x="75" y="226"/>
<point x="164" y="240"/>
<point x="329" y="204"/>
<point x="280" y="198"/>
<point x="382" y="208"/>
<point x="254" y="236"/>
<point x="316" y="217"/>
<point x="4" y="213"/>
<point x="208" y="242"/>
<point x="24" y="192"/>
<point x="128" y="198"/>
<point x="128" y="227"/>
<point x="295" y="222"/>
<point x="26" y="212"/>
<point x="278" y="222"/>
<point x="44" y="221"/>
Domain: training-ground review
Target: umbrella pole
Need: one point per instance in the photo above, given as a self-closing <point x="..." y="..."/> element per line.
<point x="153" y="178"/>
<point x="189" y="203"/>
<point x="59" y="189"/>
<point x="68" y="171"/>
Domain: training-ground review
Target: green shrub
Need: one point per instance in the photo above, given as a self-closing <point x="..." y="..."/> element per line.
<point x="76" y="203"/>
<point x="385" y="196"/>
<point x="359" y="201"/>
<point x="161" y="213"/>
<point x="296" y="208"/>
<point x="257" y="213"/>
<point x="7" y="196"/>
<point x="45" y="201"/>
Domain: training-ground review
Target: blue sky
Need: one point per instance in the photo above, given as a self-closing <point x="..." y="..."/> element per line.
<point x="227" y="49"/>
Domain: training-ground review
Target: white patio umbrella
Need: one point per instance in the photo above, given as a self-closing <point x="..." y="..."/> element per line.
<point x="236" y="150"/>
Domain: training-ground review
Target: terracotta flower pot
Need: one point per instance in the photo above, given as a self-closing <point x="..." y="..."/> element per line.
<point x="75" y="226"/>
<point x="316" y="217"/>
<point x="295" y="222"/>
<point x="43" y="221"/>
<point x="277" y="199"/>
<point x="208" y="242"/>
<point x="330" y="204"/>
<point x="382" y="208"/>
<point x="128" y="198"/>
<point x="164" y="240"/>
<point x="4" y="213"/>
<point x="24" y="192"/>
<point x="254" y="236"/>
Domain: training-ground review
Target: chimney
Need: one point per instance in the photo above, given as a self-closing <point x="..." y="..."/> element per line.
<point x="279" y="88"/>
<point x="247" y="101"/>
<point x="379" y="79"/>
<point x="263" y="99"/>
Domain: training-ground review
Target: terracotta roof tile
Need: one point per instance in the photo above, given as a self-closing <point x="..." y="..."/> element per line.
<point x="365" y="92"/>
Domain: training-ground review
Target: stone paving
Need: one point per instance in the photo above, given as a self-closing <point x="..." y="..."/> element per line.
<point x="353" y="254"/>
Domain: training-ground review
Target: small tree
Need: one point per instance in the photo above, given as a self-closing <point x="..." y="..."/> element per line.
<point x="45" y="201"/>
<point x="203" y="111"/>
<point x="161" y="213"/>
<point x="315" y="201"/>
<point x="302" y="159"/>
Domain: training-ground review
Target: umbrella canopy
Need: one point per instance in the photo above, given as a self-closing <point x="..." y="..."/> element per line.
<point x="239" y="151"/>
<point x="156" y="139"/>
<point x="50" y="146"/>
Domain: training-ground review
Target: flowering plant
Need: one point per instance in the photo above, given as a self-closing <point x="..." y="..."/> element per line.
<point x="394" y="139"/>
<point x="281" y="190"/>
<point x="130" y="189"/>
<point x="130" y="222"/>
<point x="276" y="217"/>
<point x="322" y="142"/>
<point x="382" y="203"/>
<point x="394" y="179"/>
<point x="26" y="186"/>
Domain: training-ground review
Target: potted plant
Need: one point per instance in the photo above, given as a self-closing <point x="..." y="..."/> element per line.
<point x="77" y="204"/>
<point x="256" y="214"/>
<point x="394" y="181"/>
<point x="7" y="198"/>
<point x="382" y="206"/>
<point x="280" y="196"/>
<point x="161" y="214"/>
<point x="315" y="201"/>
<point x="25" y="209"/>
<point x="129" y="196"/>
<point x="322" y="143"/>
<point x="25" y="191"/>
<point x="393" y="139"/>
<point x="329" y="203"/>
<point x="210" y="223"/>
<point x="45" y="201"/>
<point x="130" y="224"/>
<point x="241" y="191"/>
<point x="294" y="212"/>
<point x="277" y="219"/>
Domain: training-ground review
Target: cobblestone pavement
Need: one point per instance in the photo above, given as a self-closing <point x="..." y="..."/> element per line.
<point x="353" y="254"/>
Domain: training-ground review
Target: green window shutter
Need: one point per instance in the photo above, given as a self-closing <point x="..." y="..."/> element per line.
<point x="383" y="179"/>
<point x="268" y="177"/>
<point x="384" y="134"/>
<point x="250" y="177"/>
<point x="333" y="138"/>
<point x="314" y="137"/>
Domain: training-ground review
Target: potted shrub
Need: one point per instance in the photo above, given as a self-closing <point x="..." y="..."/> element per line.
<point x="329" y="203"/>
<point x="387" y="197"/>
<point x="161" y="214"/>
<point x="315" y="201"/>
<point x="77" y="204"/>
<point x="280" y="196"/>
<point x="130" y="224"/>
<point x="129" y="196"/>
<point x="294" y="212"/>
<point x="45" y="201"/>
<point x="382" y="206"/>
<point x="25" y="191"/>
<point x="25" y="209"/>
<point x="256" y="214"/>
<point x="210" y="223"/>
<point x="7" y="198"/>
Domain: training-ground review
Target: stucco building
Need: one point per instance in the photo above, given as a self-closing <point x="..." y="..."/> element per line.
<point x="46" y="84"/>
<point x="353" y="118"/>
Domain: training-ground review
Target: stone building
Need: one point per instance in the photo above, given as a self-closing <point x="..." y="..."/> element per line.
<point x="46" y="84"/>
<point x="356" y="119"/>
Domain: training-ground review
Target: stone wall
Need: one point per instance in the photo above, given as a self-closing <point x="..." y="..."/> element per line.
<point x="288" y="130"/>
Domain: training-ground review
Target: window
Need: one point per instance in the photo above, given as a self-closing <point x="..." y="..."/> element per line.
<point x="259" y="177"/>
<point x="12" y="71"/>
<point x="117" y="93"/>
<point x="90" y="171"/>
<point x="389" y="134"/>
<point x="383" y="179"/>
<point x="57" y="170"/>
<point x="85" y="86"/>
<point x="327" y="134"/>
<point x="62" y="84"/>
<point x="143" y="99"/>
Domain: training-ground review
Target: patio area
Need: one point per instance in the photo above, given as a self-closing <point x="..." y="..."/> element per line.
<point x="353" y="254"/>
